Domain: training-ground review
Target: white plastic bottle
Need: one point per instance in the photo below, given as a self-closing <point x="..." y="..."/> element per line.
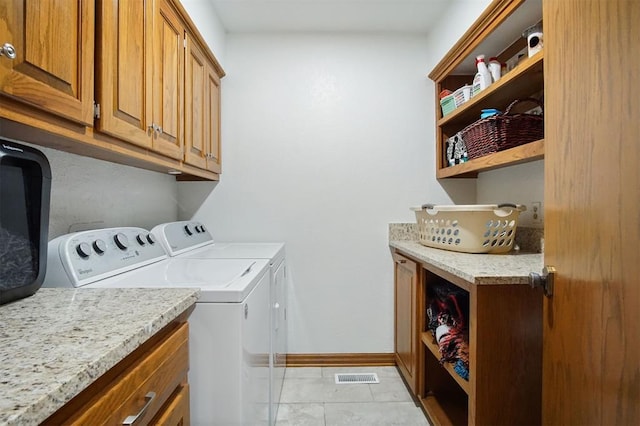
<point x="495" y="68"/>
<point x="484" y="76"/>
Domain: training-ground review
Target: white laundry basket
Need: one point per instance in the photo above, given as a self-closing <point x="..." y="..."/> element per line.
<point x="477" y="228"/>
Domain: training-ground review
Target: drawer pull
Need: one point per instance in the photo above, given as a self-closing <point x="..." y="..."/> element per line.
<point x="131" y="420"/>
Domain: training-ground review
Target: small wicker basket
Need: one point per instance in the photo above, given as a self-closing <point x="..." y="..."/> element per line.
<point x="478" y="228"/>
<point x="503" y="131"/>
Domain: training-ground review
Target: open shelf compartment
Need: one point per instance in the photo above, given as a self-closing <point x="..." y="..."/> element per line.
<point x="497" y="33"/>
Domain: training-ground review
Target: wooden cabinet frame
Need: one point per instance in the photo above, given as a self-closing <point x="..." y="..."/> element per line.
<point x="523" y="81"/>
<point x="53" y="67"/>
<point x="138" y="118"/>
<point x="505" y="354"/>
<point x="407" y="321"/>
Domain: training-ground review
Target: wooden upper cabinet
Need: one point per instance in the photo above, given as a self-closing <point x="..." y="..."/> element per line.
<point x="124" y="77"/>
<point x="53" y="65"/>
<point x="168" y="81"/>
<point x="213" y="120"/>
<point x="202" y="109"/>
<point x="154" y="81"/>
<point x="140" y="81"/>
<point x="195" y="106"/>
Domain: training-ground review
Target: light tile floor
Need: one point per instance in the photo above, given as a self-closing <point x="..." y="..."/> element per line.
<point x="310" y="397"/>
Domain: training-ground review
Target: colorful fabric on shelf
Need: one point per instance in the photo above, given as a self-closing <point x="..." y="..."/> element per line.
<point x="447" y="315"/>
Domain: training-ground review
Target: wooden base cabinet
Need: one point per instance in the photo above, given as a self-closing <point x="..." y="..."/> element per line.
<point x="148" y="387"/>
<point x="505" y="349"/>
<point x="505" y="359"/>
<point x="407" y="327"/>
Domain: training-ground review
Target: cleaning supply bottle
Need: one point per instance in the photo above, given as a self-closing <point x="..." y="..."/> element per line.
<point x="483" y="75"/>
<point x="495" y="68"/>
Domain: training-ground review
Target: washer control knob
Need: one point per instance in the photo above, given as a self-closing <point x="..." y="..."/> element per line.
<point x="141" y="240"/>
<point x="121" y="241"/>
<point x="99" y="246"/>
<point x="202" y="228"/>
<point x="83" y="250"/>
<point x="151" y="239"/>
<point x="188" y="230"/>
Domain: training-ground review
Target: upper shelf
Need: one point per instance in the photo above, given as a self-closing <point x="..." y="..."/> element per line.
<point x="515" y="84"/>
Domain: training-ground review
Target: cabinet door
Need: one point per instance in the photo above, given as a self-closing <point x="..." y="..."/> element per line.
<point x="406" y="318"/>
<point x="196" y="106"/>
<point x="124" y="73"/>
<point x="213" y="120"/>
<point x="168" y="81"/>
<point x="53" y="64"/>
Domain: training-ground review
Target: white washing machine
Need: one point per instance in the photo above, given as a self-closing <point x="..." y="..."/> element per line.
<point x="191" y="240"/>
<point x="229" y="345"/>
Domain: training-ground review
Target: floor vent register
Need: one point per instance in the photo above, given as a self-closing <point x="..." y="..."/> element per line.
<point x="355" y="378"/>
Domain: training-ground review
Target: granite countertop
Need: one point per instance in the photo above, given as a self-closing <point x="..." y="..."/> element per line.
<point x="509" y="268"/>
<point x="57" y="342"/>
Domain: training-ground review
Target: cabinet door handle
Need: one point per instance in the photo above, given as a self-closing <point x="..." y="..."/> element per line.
<point x="131" y="420"/>
<point x="402" y="261"/>
<point x="8" y="50"/>
<point x="155" y="128"/>
<point x="544" y="281"/>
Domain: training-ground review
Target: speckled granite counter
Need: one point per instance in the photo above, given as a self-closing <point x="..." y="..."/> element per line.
<point x="57" y="342"/>
<point x="510" y="268"/>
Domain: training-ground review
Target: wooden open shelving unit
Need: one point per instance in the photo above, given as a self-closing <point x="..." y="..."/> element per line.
<point x="505" y="356"/>
<point x="525" y="80"/>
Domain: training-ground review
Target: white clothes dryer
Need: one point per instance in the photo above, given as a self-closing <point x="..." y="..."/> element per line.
<point x="192" y="240"/>
<point x="229" y="343"/>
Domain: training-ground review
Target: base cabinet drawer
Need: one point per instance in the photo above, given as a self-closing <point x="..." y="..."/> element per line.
<point x="176" y="411"/>
<point x="151" y="383"/>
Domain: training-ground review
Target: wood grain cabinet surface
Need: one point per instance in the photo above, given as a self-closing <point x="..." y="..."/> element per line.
<point x="141" y="66"/>
<point x="53" y="47"/>
<point x="406" y="277"/>
<point x="504" y="349"/>
<point x="492" y="34"/>
<point x="155" y="99"/>
<point x="202" y="109"/>
<point x="151" y="384"/>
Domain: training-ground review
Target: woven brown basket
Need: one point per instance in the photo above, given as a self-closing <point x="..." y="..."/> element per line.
<point x="503" y="131"/>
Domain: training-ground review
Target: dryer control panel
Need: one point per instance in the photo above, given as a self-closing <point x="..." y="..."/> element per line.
<point x="85" y="257"/>
<point x="180" y="237"/>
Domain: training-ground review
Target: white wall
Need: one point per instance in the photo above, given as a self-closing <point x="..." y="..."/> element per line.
<point x="520" y="184"/>
<point x="88" y="193"/>
<point x="204" y="16"/>
<point x="326" y="139"/>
